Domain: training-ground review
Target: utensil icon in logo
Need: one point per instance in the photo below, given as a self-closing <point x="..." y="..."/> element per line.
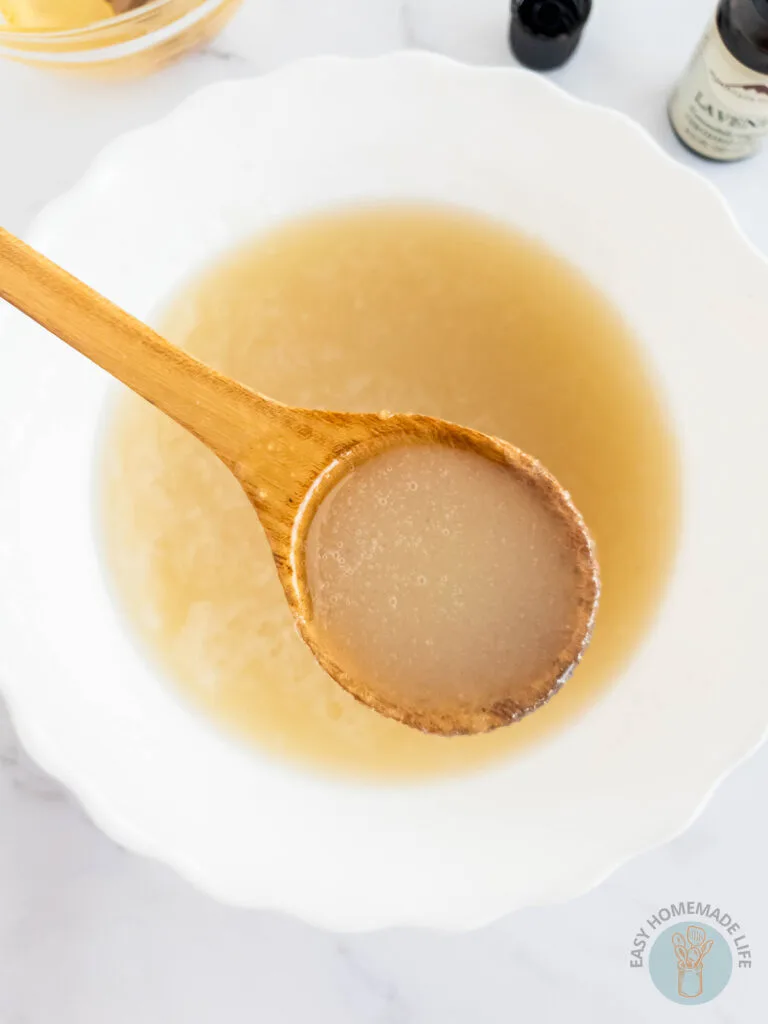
<point x="690" y="952"/>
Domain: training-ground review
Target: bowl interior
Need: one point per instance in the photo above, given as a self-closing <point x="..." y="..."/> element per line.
<point x="229" y="163"/>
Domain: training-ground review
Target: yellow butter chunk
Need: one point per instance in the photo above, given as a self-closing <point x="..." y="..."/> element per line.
<point x="54" y="14"/>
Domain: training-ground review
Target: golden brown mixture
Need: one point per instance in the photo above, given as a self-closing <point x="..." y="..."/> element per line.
<point x="406" y="308"/>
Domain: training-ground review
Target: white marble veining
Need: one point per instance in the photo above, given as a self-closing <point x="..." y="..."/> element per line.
<point x="90" y="933"/>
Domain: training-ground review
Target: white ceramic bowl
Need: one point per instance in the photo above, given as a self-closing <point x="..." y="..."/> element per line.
<point x="230" y="161"/>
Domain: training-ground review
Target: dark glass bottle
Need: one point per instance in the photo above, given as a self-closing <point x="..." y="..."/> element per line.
<point x="543" y="34"/>
<point x="720" y="107"/>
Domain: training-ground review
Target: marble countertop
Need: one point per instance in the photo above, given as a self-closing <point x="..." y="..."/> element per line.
<point x="90" y="933"/>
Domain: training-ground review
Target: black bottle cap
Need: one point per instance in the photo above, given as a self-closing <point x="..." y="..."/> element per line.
<point x="544" y="33"/>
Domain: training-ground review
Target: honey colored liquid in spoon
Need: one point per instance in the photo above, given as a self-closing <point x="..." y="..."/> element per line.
<point x="444" y="581"/>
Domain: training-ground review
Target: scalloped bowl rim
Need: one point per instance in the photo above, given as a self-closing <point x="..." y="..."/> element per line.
<point x="430" y="880"/>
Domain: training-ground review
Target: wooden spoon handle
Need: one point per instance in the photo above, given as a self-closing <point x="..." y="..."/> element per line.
<point x="214" y="408"/>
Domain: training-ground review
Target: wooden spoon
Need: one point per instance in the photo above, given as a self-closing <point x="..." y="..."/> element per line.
<point x="286" y="459"/>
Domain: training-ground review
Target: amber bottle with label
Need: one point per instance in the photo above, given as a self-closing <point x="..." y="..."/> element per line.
<point x="720" y="107"/>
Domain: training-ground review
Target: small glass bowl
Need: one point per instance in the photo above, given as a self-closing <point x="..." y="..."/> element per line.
<point x="133" y="43"/>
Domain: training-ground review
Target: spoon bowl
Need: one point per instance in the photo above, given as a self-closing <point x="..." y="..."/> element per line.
<point x="369" y="435"/>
